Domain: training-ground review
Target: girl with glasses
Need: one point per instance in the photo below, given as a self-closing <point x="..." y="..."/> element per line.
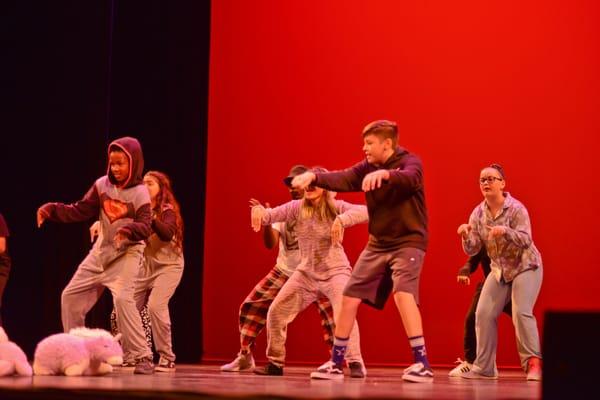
<point x="501" y="224"/>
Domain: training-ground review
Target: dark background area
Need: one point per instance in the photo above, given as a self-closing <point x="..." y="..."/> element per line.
<point x="75" y="75"/>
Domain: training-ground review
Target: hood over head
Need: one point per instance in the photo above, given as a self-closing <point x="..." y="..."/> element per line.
<point x="133" y="149"/>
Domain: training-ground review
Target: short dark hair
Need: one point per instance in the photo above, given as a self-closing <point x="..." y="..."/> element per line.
<point x="384" y="129"/>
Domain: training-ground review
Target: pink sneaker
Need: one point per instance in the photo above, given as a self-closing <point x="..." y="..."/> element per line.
<point x="534" y="369"/>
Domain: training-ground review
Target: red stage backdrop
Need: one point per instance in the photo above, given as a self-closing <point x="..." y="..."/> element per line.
<point x="469" y="83"/>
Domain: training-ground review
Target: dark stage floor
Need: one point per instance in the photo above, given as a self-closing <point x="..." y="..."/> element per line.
<point x="206" y="381"/>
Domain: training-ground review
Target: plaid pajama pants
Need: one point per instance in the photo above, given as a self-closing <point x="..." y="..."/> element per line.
<point x="253" y="311"/>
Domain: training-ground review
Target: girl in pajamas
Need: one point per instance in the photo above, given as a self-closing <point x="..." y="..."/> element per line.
<point x="162" y="267"/>
<point x="254" y="309"/>
<point x="323" y="270"/>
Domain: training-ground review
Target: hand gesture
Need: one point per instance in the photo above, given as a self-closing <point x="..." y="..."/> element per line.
<point x="337" y="232"/>
<point x="303" y="180"/>
<point x="257" y="212"/>
<point x="94" y="230"/>
<point x="463" y="280"/>
<point x="254" y="202"/>
<point x="464" y="230"/>
<point x="496" y="231"/>
<point x="374" y="179"/>
<point x="42" y="214"/>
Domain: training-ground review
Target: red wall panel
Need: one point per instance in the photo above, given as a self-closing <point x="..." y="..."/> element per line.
<point x="469" y="83"/>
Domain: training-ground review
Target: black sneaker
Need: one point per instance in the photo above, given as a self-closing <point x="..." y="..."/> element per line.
<point x="144" y="366"/>
<point x="329" y="370"/>
<point x="357" y="369"/>
<point x="270" y="369"/>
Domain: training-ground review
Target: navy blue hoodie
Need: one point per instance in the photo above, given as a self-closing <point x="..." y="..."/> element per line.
<point x="397" y="210"/>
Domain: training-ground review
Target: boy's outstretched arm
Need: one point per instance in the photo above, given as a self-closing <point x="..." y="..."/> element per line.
<point x="347" y="180"/>
<point x="86" y="208"/>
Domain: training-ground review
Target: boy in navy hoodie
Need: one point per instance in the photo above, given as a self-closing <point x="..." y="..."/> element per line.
<point x="122" y="204"/>
<point x="392" y="179"/>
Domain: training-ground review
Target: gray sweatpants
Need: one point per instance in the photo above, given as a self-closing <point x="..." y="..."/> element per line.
<point x="296" y="295"/>
<point x="119" y="276"/>
<point x="522" y="292"/>
<point x="155" y="287"/>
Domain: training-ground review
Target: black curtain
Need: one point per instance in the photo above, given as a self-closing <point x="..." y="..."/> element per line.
<point x="75" y="75"/>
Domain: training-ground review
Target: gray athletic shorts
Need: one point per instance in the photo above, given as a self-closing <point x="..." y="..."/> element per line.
<point x="377" y="274"/>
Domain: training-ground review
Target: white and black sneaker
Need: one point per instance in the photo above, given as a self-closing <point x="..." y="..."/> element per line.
<point x="418" y="373"/>
<point x="329" y="370"/>
<point x="478" y="375"/>
<point x="461" y="368"/>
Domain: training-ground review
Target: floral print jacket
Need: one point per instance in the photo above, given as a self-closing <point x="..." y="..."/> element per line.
<point x="513" y="252"/>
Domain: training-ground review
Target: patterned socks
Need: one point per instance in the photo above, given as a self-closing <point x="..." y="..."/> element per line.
<point x="339" y="350"/>
<point x="417" y="343"/>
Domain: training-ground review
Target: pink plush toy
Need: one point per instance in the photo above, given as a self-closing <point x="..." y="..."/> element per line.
<point x="12" y="358"/>
<point x="82" y="351"/>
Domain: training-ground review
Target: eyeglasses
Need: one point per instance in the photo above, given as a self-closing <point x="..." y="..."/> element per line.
<point x="489" y="179"/>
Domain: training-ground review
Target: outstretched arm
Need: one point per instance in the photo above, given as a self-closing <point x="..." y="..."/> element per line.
<point x="270" y="235"/>
<point x="409" y="178"/>
<point x="351" y="214"/>
<point x="259" y="215"/>
<point x="347" y="180"/>
<point x="303" y="180"/>
<point x="86" y="208"/>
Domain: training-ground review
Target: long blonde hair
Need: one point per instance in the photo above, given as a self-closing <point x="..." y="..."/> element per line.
<point x="324" y="208"/>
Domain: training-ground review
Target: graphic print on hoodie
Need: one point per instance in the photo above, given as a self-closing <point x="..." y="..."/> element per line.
<point x="121" y="208"/>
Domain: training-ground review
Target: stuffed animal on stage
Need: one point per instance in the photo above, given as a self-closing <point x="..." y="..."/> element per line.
<point x="12" y="359"/>
<point x="82" y="351"/>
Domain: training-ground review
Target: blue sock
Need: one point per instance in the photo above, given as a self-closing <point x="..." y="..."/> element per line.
<point x="339" y="350"/>
<point x="417" y="343"/>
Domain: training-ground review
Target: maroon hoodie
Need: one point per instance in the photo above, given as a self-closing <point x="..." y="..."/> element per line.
<point x="124" y="208"/>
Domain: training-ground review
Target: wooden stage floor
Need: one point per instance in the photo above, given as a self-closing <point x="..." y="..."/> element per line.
<point x="207" y="382"/>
